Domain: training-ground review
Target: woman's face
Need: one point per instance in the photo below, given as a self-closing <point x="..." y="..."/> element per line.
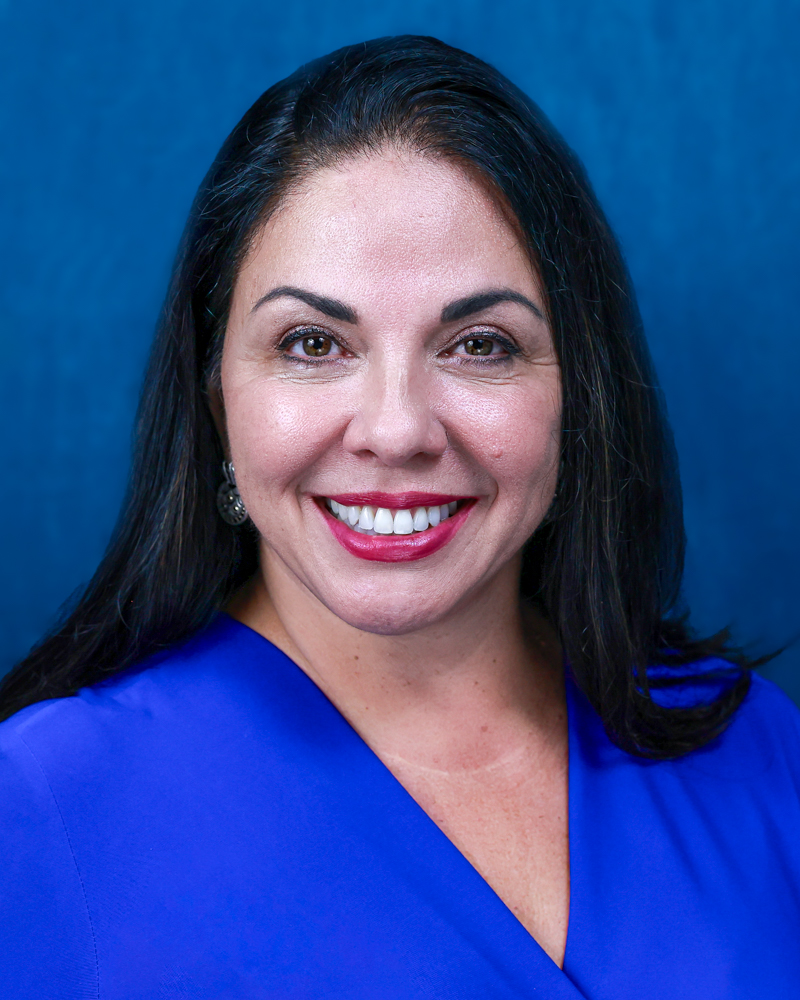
<point x="386" y="350"/>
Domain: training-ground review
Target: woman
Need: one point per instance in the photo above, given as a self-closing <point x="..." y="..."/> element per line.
<point x="401" y="327"/>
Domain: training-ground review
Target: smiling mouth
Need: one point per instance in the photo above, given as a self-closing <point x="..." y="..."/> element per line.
<point x="395" y="527"/>
<point x="369" y="519"/>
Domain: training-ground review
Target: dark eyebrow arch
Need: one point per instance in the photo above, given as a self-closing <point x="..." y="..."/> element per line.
<point x="330" y="307"/>
<point x="462" y="308"/>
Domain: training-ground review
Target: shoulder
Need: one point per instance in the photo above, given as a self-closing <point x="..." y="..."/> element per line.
<point x="766" y="700"/>
<point x="761" y="738"/>
<point x="82" y="777"/>
<point x="754" y="764"/>
<point x="738" y="793"/>
<point x="160" y="701"/>
<point x="766" y="721"/>
<point x="766" y="727"/>
<point x="739" y="797"/>
<point x="138" y="729"/>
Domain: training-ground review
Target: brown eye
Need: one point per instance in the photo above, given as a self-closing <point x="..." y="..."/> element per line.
<point x="480" y="346"/>
<point x="316" y="346"/>
<point x="311" y="343"/>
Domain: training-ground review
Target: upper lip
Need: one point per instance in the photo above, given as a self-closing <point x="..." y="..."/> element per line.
<point x="396" y="501"/>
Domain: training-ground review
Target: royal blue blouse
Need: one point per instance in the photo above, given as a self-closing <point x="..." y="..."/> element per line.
<point x="208" y="825"/>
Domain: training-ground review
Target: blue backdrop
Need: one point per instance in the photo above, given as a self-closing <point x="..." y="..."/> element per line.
<point x="684" y="111"/>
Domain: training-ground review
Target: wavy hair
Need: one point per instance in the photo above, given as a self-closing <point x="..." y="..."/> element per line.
<point x="606" y="565"/>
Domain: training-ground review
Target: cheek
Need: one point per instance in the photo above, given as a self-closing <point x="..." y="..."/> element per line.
<point x="277" y="431"/>
<point x="514" y="434"/>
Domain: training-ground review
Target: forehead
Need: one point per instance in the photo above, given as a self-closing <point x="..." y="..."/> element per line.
<point x="391" y="221"/>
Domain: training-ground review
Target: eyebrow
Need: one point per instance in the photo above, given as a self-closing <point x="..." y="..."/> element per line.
<point x="457" y="310"/>
<point x="462" y="308"/>
<point x="330" y="307"/>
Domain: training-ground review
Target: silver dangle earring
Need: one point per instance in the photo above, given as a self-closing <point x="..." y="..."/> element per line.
<point x="229" y="503"/>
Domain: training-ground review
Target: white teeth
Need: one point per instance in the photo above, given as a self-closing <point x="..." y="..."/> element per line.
<point x="384" y="522"/>
<point x="403" y="522"/>
<point x="367" y="518"/>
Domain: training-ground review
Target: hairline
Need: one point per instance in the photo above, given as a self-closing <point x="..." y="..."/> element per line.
<point x="306" y="163"/>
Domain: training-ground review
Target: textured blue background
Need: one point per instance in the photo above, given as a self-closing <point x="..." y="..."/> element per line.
<point x="685" y="112"/>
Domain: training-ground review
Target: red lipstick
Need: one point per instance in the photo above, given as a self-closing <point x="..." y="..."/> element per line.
<point x="395" y="548"/>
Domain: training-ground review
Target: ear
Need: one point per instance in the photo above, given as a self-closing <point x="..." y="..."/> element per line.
<point x="217" y="407"/>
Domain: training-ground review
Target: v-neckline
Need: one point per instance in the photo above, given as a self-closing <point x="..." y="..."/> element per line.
<point x="475" y="883"/>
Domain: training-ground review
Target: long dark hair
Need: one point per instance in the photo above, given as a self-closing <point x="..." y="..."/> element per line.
<point x="605" y="567"/>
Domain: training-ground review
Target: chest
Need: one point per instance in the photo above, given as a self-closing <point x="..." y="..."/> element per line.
<point x="511" y="823"/>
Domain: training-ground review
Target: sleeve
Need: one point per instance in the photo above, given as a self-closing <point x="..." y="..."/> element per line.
<point x="46" y="940"/>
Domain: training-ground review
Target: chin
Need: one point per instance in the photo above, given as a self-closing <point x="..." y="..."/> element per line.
<point x="396" y="616"/>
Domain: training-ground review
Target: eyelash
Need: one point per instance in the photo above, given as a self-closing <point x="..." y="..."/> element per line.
<point x="508" y="346"/>
<point x="295" y="336"/>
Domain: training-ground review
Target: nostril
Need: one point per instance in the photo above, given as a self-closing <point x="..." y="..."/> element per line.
<point x="395" y="433"/>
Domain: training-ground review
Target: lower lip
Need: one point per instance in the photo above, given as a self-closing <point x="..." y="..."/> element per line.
<point x="397" y="548"/>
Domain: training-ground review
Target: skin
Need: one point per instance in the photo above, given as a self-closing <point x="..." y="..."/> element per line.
<point x="452" y="682"/>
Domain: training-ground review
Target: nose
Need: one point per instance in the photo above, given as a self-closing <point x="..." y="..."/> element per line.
<point x="395" y="421"/>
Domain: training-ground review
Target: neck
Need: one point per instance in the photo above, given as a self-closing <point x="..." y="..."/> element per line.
<point x="459" y="694"/>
